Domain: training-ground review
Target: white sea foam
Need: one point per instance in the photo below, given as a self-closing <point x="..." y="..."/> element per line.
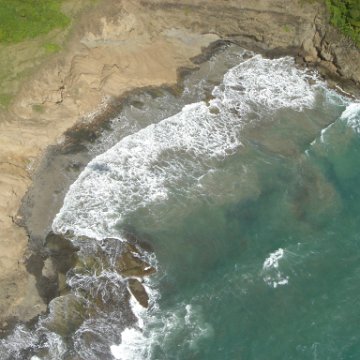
<point x="352" y="116"/>
<point x="158" y="330"/>
<point x="161" y="331"/>
<point x="266" y="85"/>
<point x="137" y="171"/>
<point x="144" y="167"/>
<point x="273" y="260"/>
<point x="322" y="134"/>
<point x="132" y="344"/>
<point x="21" y="338"/>
<point x="12" y="347"/>
<point x="271" y="273"/>
<point x="176" y="154"/>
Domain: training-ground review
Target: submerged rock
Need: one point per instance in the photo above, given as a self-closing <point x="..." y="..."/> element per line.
<point x="129" y="263"/>
<point x="132" y="237"/>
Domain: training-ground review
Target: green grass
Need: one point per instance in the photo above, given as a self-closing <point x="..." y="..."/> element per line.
<point x="51" y="48"/>
<point x="345" y="15"/>
<point x="39" y="108"/>
<point x="5" y="100"/>
<point x="26" y="19"/>
<point x="286" y="28"/>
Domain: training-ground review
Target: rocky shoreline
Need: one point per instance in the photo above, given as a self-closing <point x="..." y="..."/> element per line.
<point x="59" y="168"/>
<point x="116" y="47"/>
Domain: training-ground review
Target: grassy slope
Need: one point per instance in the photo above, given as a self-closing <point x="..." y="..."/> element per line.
<point x="25" y="19"/>
<point x="30" y="32"/>
<point x="22" y="20"/>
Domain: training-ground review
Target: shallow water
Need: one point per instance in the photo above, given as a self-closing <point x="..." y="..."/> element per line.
<point x="251" y="203"/>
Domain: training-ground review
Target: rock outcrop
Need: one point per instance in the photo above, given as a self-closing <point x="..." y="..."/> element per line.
<point x="105" y="274"/>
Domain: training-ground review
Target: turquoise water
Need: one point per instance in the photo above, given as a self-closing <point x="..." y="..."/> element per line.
<point x="251" y="203"/>
<point x="314" y="316"/>
<point x="306" y="204"/>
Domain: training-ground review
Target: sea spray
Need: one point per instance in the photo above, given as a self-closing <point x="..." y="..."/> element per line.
<point x="272" y="274"/>
<point x="352" y="116"/>
<point x="143" y="168"/>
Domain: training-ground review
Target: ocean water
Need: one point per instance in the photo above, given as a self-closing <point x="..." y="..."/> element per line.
<point x="250" y="199"/>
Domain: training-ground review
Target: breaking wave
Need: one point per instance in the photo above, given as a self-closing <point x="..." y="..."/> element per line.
<point x="175" y="153"/>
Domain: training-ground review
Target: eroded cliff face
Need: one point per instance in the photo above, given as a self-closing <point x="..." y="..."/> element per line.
<point x="336" y="53"/>
<point x="121" y="45"/>
<point x="300" y="26"/>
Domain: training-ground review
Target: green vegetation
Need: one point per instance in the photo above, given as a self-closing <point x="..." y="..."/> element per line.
<point x="345" y="15"/>
<point x="187" y="10"/>
<point x="286" y="28"/>
<point x="5" y="100"/>
<point x="38" y="108"/>
<point x="51" y="48"/>
<point x="26" y="19"/>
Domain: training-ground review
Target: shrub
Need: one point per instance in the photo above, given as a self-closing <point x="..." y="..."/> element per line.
<point x="345" y="15"/>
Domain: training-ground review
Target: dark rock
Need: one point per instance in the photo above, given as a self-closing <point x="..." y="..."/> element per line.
<point x="34" y="264"/>
<point x="91" y="263"/>
<point x="63" y="288"/>
<point x="328" y="66"/>
<point x="62" y="252"/>
<point x="46" y="277"/>
<point x="214" y="110"/>
<point x="66" y="315"/>
<point x="6" y="327"/>
<point x="139" y="292"/>
<point x="129" y="263"/>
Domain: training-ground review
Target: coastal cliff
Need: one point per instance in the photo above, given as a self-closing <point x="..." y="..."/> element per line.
<point x="117" y="46"/>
